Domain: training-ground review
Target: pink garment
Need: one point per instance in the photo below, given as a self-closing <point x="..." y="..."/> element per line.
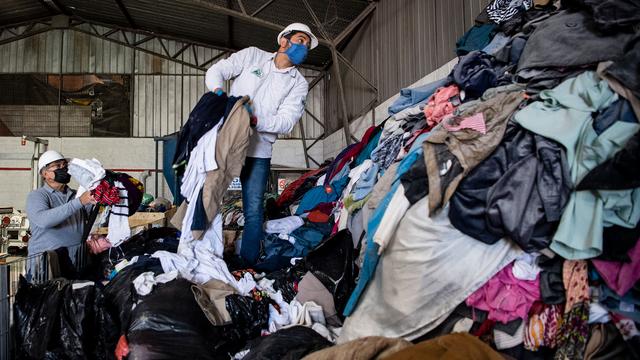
<point x="474" y="122"/>
<point x="440" y="104"/>
<point x="505" y="297"/>
<point x="98" y="243"/>
<point x="620" y="277"/>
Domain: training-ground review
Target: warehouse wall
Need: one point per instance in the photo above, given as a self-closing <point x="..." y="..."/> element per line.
<point x="400" y="43"/>
<point x="164" y="91"/>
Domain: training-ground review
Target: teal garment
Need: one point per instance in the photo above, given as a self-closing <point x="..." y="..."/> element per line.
<point x="368" y="149"/>
<point x="565" y="114"/>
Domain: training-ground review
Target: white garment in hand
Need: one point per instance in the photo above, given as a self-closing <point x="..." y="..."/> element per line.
<point x="283" y="226"/>
<point x="201" y="159"/>
<point x="87" y="173"/>
<point x="118" y="229"/>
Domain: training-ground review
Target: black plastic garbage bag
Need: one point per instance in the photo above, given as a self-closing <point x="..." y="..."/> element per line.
<point x="87" y="331"/>
<point x="60" y="319"/>
<point x="287" y="344"/>
<point x="248" y="317"/>
<point x="169" y="324"/>
<point x="120" y="295"/>
<point x="35" y="315"/>
<point x="286" y="280"/>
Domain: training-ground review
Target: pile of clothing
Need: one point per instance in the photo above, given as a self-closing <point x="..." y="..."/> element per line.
<point x="500" y="201"/>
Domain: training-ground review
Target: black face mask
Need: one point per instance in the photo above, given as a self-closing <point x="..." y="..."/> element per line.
<point x="62" y="175"/>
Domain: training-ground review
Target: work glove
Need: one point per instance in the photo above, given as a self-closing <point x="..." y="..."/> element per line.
<point x="218" y="91"/>
<point x="253" y="120"/>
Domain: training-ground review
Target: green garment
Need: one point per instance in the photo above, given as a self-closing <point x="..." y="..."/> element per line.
<point x="352" y="205"/>
<point x="565" y="114"/>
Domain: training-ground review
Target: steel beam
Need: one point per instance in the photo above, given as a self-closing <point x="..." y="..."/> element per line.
<point x="125" y="12"/>
<point x="24" y="34"/>
<point x="336" y="68"/>
<point x="206" y="63"/>
<point x="138" y="48"/>
<point x="244" y="11"/>
<point x="352" y="68"/>
<point x="316" y="80"/>
<point x="357" y="21"/>
<point x="262" y="7"/>
<point x="304" y="142"/>
<point x="185" y="47"/>
<point x="239" y="15"/>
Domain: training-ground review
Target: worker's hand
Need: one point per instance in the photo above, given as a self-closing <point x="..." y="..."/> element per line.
<point x="87" y="198"/>
<point x="252" y="117"/>
<point x="218" y="91"/>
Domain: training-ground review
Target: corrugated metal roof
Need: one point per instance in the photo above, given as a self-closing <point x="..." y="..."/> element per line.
<point x="190" y="21"/>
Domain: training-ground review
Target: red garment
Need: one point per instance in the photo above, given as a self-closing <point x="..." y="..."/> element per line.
<point x="440" y="104"/>
<point x="326" y="207"/>
<point x="122" y="348"/>
<point x="318" y="216"/>
<point x="409" y="142"/>
<point x="106" y="194"/>
<point x="290" y="190"/>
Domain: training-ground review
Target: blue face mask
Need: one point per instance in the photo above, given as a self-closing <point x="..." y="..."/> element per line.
<point x="296" y="53"/>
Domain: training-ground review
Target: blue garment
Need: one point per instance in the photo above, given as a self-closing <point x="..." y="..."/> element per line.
<point x="364" y="185"/>
<point x="313" y="197"/>
<point x="330" y="175"/>
<point x="475" y="73"/>
<point x="475" y="38"/>
<point x="412" y="97"/>
<point x="610" y="300"/>
<point x="368" y="149"/>
<point x="307" y="237"/>
<point x="340" y="181"/>
<point x="620" y="110"/>
<point x="498" y="43"/>
<point x="253" y="177"/>
<point x="319" y="195"/>
<point x="371" y="256"/>
<point x="199" y="215"/>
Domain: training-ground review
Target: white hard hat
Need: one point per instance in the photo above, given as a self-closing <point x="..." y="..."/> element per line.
<point x="48" y="157"/>
<point x="301" y="28"/>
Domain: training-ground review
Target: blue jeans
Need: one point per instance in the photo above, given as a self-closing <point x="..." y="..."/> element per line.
<point x="253" y="177"/>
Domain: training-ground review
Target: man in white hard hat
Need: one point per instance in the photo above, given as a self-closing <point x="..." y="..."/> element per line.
<point x="56" y="216"/>
<point x="278" y="92"/>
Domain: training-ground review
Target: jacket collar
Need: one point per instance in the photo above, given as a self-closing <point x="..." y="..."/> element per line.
<point x="291" y="69"/>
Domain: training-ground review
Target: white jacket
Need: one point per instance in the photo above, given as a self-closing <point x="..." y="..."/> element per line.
<point x="278" y="95"/>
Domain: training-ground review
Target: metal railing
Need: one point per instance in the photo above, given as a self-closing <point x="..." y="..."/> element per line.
<point x="36" y="269"/>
